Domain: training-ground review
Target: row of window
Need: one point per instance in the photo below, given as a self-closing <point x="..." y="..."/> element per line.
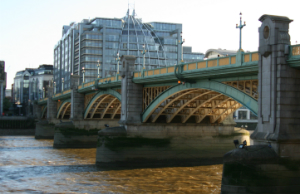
<point x="164" y="26"/>
<point x="108" y="22"/>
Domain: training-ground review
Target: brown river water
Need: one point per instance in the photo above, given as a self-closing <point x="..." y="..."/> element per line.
<point x="28" y="165"/>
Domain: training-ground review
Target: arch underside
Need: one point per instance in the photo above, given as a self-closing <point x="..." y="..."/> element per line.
<point x="104" y="106"/>
<point x="249" y="87"/>
<point x="194" y="105"/>
<point x="64" y="111"/>
<point x="44" y="112"/>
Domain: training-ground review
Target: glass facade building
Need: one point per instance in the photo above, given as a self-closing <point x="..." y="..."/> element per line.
<point x="100" y="39"/>
<point x="31" y="84"/>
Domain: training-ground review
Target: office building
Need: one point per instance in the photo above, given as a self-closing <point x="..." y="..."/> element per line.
<point x="31" y="85"/>
<point x="97" y="42"/>
<point x="2" y="84"/>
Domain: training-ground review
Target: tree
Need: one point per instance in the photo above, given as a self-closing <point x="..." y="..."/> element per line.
<point x="6" y="104"/>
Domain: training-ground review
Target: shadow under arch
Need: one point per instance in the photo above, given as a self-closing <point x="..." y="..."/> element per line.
<point x="107" y="97"/>
<point x="44" y="111"/>
<point x="208" y="85"/>
<point x="63" y="107"/>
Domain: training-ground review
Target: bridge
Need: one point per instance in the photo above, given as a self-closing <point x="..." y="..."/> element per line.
<point x="182" y="103"/>
<point x="191" y="92"/>
<point x="185" y="112"/>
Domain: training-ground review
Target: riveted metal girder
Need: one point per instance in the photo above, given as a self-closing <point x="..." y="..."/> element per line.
<point x="189" y="88"/>
<point x="99" y="98"/>
<point x="44" y="111"/>
<point x="62" y="107"/>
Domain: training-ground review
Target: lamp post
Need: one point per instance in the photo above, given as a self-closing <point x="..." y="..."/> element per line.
<point x="54" y="85"/>
<point x="181" y="42"/>
<point x="62" y="82"/>
<point x="98" y="66"/>
<point x="240" y="27"/>
<point x="118" y="61"/>
<point x="83" y="71"/>
<point x="33" y="89"/>
<point x="144" y="52"/>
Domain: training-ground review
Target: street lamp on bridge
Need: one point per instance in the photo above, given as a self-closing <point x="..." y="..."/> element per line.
<point x="54" y="85"/>
<point x="98" y="66"/>
<point x="83" y="71"/>
<point x="241" y="27"/>
<point x="143" y="53"/>
<point x="118" y="60"/>
<point x="43" y="92"/>
<point x="181" y="42"/>
<point x="62" y="84"/>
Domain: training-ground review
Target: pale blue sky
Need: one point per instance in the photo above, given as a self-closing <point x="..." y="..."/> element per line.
<point x="30" y="28"/>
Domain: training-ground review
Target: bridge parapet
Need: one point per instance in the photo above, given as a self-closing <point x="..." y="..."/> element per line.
<point x="294" y="56"/>
<point x="242" y="63"/>
<point x="42" y="101"/>
<point x="100" y="83"/>
<point x="63" y="95"/>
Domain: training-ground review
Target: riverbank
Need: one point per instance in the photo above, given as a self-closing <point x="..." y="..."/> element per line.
<point x="16" y="132"/>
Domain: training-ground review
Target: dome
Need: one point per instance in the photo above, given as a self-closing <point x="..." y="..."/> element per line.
<point x="137" y="36"/>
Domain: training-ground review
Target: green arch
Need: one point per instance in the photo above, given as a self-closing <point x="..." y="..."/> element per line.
<point x="108" y="91"/>
<point x="227" y="90"/>
<point x="61" y="107"/>
<point x="44" y="110"/>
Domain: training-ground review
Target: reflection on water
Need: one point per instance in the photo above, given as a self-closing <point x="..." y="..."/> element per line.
<point x="28" y="165"/>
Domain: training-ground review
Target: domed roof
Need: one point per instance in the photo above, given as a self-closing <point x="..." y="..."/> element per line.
<point x="138" y="36"/>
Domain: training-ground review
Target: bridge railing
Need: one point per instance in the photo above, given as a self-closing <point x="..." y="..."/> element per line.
<point x="61" y="95"/>
<point x="294" y="56"/>
<point x="42" y="100"/>
<point x="295" y="50"/>
<point x="109" y="79"/>
<point x="106" y="80"/>
<point x="209" y="63"/>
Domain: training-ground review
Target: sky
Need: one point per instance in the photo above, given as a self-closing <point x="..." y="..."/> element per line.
<point x="29" y="29"/>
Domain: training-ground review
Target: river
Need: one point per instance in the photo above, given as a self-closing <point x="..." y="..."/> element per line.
<point x="28" y="165"/>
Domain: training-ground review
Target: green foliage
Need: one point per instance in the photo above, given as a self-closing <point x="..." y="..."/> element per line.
<point x="6" y="104"/>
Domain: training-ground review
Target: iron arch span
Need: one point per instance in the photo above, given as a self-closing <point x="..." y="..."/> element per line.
<point x="200" y="99"/>
<point x="104" y="103"/>
<point x="44" y="112"/>
<point x="64" y="109"/>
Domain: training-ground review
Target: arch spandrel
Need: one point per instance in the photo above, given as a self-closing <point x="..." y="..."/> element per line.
<point x="104" y="102"/>
<point x="63" y="107"/>
<point x="158" y="106"/>
<point x="44" y="112"/>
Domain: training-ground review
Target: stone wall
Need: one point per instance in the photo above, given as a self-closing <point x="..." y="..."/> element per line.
<point x="166" y="144"/>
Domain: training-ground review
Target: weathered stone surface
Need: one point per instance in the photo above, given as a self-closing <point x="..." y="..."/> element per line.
<point x="162" y="144"/>
<point x="44" y="130"/>
<point x="68" y="136"/>
<point x="132" y="94"/>
<point x="258" y="169"/>
<point x="279" y="105"/>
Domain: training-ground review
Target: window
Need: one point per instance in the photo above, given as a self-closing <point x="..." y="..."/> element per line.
<point x="242" y="114"/>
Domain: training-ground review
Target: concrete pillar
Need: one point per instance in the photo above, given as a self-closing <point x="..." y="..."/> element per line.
<point x="1" y="97"/>
<point x="132" y="94"/>
<point x="77" y="99"/>
<point x="37" y="111"/>
<point x="279" y="86"/>
<point x="45" y="128"/>
<point x="51" y="106"/>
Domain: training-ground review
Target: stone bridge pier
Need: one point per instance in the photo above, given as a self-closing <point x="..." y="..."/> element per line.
<point x="79" y="132"/>
<point x="45" y="127"/>
<point x="136" y="143"/>
<point x="271" y="165"/>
